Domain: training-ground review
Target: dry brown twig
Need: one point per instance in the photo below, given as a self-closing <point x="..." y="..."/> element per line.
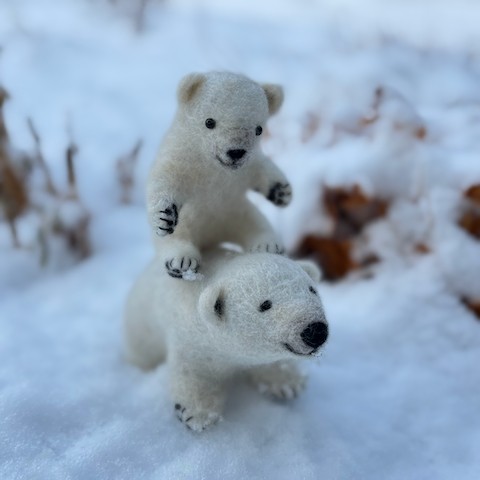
<point x="13" y="195"/>
<point x="13" y="191"/>
<point x="72" y="150"/>
<point x="76" y="230"/>
<point x="39" y="158"/>
<point x="4" y="96"/>
<point x="126" y="172"/>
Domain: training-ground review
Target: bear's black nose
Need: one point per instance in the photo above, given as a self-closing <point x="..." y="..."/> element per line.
<point x="236" y="154"/>
<point x="315" y="334"/>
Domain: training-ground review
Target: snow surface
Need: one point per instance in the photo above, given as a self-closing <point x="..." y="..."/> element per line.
<point x="397" y="391"/>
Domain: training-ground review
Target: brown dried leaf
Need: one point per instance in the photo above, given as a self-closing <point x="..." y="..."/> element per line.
<point x="473" y="306"/>
<point x="470" y="222"/>
<point x="422" y="248"/>
<point x="351" y="209"/>
<point x="473" y="194"/>
<point x="421" y="133"/>
<point x="333" y="256"/>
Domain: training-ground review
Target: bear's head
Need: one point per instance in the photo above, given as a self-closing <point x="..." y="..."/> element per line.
<point x="264" y="307"/>
<point x="224" y="114"/>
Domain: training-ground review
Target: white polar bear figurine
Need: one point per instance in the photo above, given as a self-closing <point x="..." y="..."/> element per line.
<point x="208" y="160"/>
<point x="253" y="315"/>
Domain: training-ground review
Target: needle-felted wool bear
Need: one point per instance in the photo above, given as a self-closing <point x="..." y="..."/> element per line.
<point x="253" y="315"/>
<point x="208" y="160"/>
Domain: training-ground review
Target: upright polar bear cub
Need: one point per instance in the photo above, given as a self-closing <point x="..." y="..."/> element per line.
<point x="210" y="157"/>
<point x="253" y="314"/>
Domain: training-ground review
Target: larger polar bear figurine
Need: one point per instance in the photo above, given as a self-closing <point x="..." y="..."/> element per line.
<point x="252" y="315"/>
<point x="209" y="158"/>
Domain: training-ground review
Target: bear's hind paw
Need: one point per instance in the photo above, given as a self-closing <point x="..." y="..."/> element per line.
<point x="268" y="247"/>
<point x="196" y="420"/>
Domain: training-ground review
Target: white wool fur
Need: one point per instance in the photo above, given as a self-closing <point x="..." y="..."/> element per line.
<point x="194" y="172"/>
<point x="213" y="330"/>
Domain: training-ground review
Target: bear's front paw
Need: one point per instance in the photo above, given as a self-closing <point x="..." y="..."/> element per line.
<point x="268" y="247"/>
<point x="280" y="194"/>
<point x="183" y="267"/>
<point x="166" y="219"/>
<point x="196" y="419"/>
<point x="281" y="381"/>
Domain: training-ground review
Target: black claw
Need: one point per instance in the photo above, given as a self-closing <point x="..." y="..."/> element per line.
<point x="167" y="221"/>
<point x="173" y="272"/>
<point x="188" y="419"/>
<point x="172" y="218"/>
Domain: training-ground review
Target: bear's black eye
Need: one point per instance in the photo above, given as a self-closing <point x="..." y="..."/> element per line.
<point x="258" y="131"/>
<point x="313" y="290"/>
<point x="210" y="123"/>
<point x="266" y="305"/>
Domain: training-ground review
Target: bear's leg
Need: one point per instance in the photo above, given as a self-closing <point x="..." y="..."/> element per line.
<point x="198" y="400"/>
<point x="146" y="359"/>
<point x="145" y="347"/>
<point x="180" y="257"/>
<point x="280" y="380"/>
<point x="251" y="230"/>
<point x="144" y="338"/>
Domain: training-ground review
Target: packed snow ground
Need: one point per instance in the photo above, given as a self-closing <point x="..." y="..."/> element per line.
<point x="397" y="391"/>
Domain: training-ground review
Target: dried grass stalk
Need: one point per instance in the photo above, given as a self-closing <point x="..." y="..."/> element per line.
<point x="40" y="160"/>
<point x="126" y="172"/>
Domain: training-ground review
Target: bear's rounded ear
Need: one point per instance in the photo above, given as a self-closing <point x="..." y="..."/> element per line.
<point x="274" y="95"/>
<point x="311" y="269"/>
<point x="211" y="304"/>
<point x="189" y="86"/>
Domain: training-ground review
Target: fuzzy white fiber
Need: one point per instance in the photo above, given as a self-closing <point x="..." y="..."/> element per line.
<point x="395" y="394"/>
<point x="196" y="189"/>
<point x="217" y="330"/>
